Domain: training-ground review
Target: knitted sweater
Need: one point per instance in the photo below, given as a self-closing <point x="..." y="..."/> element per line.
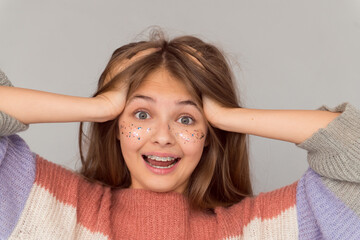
<point x="42" y="200"/>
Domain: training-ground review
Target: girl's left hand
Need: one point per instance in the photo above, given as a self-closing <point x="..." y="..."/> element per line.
<point x="214" y="112"/>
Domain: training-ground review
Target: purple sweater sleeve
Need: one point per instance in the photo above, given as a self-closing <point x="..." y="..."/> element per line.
<point x="328" y="194"/>
<point x="17" y="175"/>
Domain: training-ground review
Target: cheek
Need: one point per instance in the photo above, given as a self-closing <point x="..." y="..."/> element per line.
<point x="186" y="136"/>
<point x="191" y="140"/>
<point x="132" y="134"/>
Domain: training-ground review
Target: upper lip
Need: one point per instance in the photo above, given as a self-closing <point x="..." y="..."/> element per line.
<point x="159" y="154"/>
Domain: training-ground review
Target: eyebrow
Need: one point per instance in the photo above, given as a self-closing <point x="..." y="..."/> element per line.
<point x="150" y="99"/>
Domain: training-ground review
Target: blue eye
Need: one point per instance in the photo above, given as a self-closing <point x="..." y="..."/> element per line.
<point x="142" y="115"/>
<point x="187" y="120"/>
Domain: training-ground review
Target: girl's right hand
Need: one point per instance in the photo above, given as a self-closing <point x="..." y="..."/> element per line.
<point x="113" y="101"/>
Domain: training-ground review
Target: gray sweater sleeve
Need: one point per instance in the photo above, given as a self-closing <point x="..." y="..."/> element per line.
<point x="8" y="124"/>
<point x="334" y="151"/>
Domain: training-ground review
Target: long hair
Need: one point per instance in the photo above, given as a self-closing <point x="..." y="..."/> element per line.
<point x="222" y="176"/>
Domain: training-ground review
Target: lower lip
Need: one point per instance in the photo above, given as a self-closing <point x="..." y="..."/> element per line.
<point x="161" y="171"/>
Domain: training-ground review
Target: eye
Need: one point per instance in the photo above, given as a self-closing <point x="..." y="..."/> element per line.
<point x="186" y="120"/>
<point x="141" y="115"/>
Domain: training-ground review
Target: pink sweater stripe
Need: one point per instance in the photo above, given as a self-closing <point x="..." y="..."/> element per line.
<point x="72" y="189"/>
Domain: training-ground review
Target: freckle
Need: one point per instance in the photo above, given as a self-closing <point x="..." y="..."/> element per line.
<point x="122" y="132"/>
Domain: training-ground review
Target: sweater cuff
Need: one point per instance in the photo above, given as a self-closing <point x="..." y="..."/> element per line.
<point x="334" y="151"/>
<point x="4" y="81"/>
<point x="8" y="124"/>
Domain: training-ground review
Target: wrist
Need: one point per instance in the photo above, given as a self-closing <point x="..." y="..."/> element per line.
<point x="100" y="110"/>
<point x="227" y="119"/>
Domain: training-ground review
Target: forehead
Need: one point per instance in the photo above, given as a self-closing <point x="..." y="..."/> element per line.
<point x="160" y="83"/>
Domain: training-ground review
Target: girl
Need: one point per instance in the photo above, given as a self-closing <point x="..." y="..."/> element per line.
<point x="165" y="157"/>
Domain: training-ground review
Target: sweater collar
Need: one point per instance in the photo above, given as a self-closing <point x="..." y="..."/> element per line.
<point x="140" y="198"/>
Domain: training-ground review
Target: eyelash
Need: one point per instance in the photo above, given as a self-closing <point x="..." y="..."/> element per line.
<point x="188" y="116"/>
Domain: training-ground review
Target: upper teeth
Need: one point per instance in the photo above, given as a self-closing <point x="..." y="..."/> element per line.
<point x="163" y="159"/>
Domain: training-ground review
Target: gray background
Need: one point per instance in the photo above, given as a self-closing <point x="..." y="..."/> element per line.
<point x="285" y="54"/>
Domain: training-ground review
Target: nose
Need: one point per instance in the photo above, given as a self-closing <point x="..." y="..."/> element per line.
<point x="163" y="135"/>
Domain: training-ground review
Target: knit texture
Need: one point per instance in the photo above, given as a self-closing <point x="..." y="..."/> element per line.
<point x="8" y="124"/>
<point x="42" y="200"/>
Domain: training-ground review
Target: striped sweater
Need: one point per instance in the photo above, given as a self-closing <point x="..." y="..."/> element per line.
<point x="42" y="200"/>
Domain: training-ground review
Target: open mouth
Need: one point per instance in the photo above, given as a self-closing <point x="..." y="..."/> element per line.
<point x="160" y="164"/>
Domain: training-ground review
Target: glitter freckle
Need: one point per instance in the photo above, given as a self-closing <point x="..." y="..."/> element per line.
<point x="135" y="134"/>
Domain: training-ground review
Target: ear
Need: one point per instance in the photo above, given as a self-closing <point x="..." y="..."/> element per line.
<point x="118" y="135"/>
<point x="118" y="129"/>
<point x="207" y="141"/>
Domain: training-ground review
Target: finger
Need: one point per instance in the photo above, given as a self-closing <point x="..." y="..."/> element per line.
<point x="192" y="58"/>
<point x="125" y="63"/>
<point x="143" y="53"/>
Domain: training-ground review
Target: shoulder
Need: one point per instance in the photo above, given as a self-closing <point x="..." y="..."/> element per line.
<point x="268" y="215"/>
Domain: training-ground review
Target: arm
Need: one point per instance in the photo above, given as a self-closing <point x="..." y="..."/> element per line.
<point x="32" y="106"/>
<point x="288" y="125"/>
<point x="331" y="136"/>
<point x="20" y="107"/>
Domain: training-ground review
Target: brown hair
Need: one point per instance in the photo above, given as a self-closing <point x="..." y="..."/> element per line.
<point x="222" y="177"/>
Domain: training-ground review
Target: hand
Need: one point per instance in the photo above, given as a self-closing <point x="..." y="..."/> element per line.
<point x="214" y="112"/>
<point x="113" y="101"/>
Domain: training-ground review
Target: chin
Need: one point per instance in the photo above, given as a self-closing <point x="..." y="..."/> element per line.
<point x="162" y="187"/>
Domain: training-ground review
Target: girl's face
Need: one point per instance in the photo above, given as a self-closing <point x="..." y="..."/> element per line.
<point x="161" y="119"/>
